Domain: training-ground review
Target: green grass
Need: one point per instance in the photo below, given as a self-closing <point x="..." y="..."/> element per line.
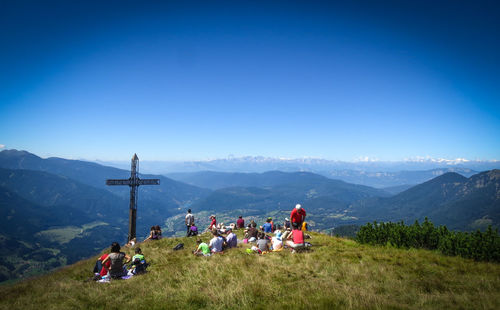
<point x="336" y="273"/>
<point x="64" y="235"/>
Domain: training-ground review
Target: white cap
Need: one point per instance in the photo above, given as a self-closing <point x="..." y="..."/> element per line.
<point x="298" y="206"/>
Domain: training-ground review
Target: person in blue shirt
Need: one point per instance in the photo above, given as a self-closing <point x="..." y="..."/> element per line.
<point x="268" y="226"/>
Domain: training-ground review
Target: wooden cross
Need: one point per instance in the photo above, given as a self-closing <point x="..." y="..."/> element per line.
<point x="134" y="181"/>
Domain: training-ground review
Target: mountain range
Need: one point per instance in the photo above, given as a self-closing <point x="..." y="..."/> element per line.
<point x="394" y="181"/>
<point x="450" y="199"/>
<point x="55" y="211"/>
<point x="261" y="164"/>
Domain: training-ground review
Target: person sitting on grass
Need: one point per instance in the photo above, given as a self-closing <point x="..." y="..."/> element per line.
<point x="203" y="248"/>
<point x="152" y="234"/>
<point x="117" y="268"/>
<point x="268" y="226"/>
<point x="213" y="223"/>
<point x="251" y="234"/>
<point x="286" y="232"/>
<point x="297" y="238"/>
<point x="158" y="231"/>
<point x="262" y="242"/>
<point x="138" y="262"/>
<point x="193" y="230"/>
<point x="231" y="238"/>
<point x="100" y="269"/>
<point x="276" y="241"/>
<point x="216" y="243"/>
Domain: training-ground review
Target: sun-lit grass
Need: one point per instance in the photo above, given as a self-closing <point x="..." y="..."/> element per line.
<point x="336" y="273"/>
<point x="65" y="234"/>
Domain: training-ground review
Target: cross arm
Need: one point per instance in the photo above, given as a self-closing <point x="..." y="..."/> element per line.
<point x="118" y="182"/>
<point x="149" y="182"/>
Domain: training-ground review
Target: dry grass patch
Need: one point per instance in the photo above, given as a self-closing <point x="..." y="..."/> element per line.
<point x="336" y="274"/>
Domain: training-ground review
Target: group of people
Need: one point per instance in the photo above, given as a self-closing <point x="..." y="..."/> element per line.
<point x="114" y="265"/>
<point x="218" y="244"/>
<point x="290" y="235"/>
<point x="154" y="233"/>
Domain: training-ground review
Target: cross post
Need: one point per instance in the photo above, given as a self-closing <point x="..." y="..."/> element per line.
<point x="134" y="181"/>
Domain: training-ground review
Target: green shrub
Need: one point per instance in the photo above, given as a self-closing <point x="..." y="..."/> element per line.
<point x="480" y="246"/>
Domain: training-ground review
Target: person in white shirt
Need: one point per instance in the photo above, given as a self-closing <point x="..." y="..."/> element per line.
<point x="189" y="222"/>
<point x="216" y="243"/>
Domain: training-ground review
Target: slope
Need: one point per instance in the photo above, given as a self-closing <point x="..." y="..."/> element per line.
<point x="335" y="274"/>
<point x="449" y="199"/>
<point x="170" y="193"/>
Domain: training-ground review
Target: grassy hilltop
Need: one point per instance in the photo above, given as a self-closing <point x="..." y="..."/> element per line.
<point x="336" y="273"/>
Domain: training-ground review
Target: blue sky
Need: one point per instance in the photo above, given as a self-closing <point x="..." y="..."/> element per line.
<point x="196" y="80"/>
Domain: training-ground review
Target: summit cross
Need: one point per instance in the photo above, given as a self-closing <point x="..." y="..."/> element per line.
<point x="134" y="181"/>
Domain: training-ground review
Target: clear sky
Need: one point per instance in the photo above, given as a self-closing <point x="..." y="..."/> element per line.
<point x="190" y="80"/>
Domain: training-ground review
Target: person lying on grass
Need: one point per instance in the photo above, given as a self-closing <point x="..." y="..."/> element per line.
<point x="203" y="248"/>
<point x="117" y="268"/>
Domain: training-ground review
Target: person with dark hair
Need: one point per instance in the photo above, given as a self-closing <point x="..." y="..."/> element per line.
<point x="297" y="238"/>
<point x="193" y="230"/>
<point x="189" y="221"/>
<point x="216" y="243"/>
<point x="251" y="234"/>
<point x="158" y="232"/>
<point x="203" y="248"/>
<point x="262" y="242"/>
<point x="138" y="262"/>
<point x="268" y="226"/>
<point x="152" y="234"/>
<point x="213" y="223"/>
<point x="240" y="223"/>
<point x="117" y="268"/>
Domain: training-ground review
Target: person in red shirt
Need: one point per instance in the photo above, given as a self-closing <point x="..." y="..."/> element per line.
<point x="297" y="238"/>
<point x="240" y="223"/>
<point x="298" y="215"/>
<point x="213" y="224"/>
<point x="105" y="266"/>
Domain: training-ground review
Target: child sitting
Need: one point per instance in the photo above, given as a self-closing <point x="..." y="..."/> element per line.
<point x="202" y="249"/>
<point x="139" y="264"/>
<point x="262" y="242"/>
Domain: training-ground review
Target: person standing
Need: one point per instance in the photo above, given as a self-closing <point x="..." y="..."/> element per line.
<point x="298" y="215"/>
<point x="189" y="222"/>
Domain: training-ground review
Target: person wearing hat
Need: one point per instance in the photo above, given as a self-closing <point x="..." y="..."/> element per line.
<point x="189" y="222"/>
<point x="286" y="223"/>
<point x="231" y="239"/>
<point x="213" y="223"/>
<point x="298" y="215"/>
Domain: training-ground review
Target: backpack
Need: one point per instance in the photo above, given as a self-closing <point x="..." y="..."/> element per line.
<point x="178" y="247"/>
<point x="140" y="267"/>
